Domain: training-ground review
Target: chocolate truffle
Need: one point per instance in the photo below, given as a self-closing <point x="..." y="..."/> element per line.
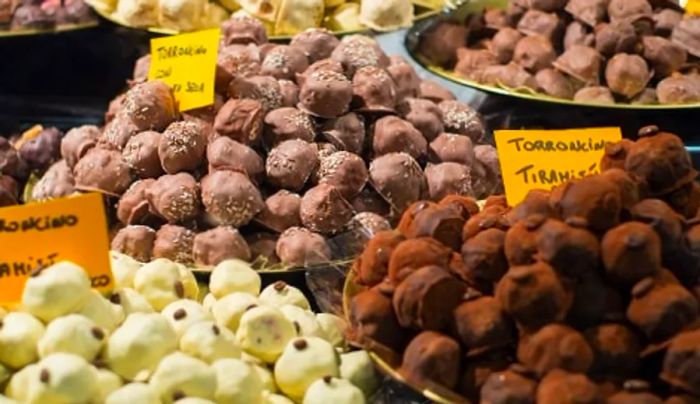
<point x="373" y="320"/>
<point x="230" y="198"/>
<point x="511" y="75"/>
<point x="324" y="210"/>
<point x="345" y="171"/>
<point x="320" y="65"/>
<point x="594" y="95"/>
<point x="346" y="132"/>
<point x="326" y="94"/>
<point x="373" y="90"/>
<point x="42" y="150"/>
<point x="426" y="298"/>
<point x="175" y="197"/>
<point x="405" y="77"/>
<point x="361" y="228"/>
<point x="509" y="386"/>
<point x="494" y="18"/>
<point x="174" y="243"/>
<point x="571" y="251"/>
<point x="264" y="89"/>
<point x="285" y="124"/>
<point x="242" y="29"/>
<point x="102" y="170"/>
<point x="503" y="44"/>
<point x="392" y="134"/>
<point x="432" y="356"/>
<point x="284" y="62"/>
<point x="413" y="254"/>
<point x="77" y="142"/>
<point x="357" y="51"/>
<point x="591" y="201"/>
<point x="680" y="367"/>
<point x="141" y="154"/>
<point x="31" y="17"/>
<point x="443" y="223"/>
<point x="520" y="244"/>
<point x="556" y="84"/>
<point x="594" y="301"/>
<point x="616" y="37"/>
<point x="240" y="120"/>
<point x="434" y="92"/>
<point x="141" y="68"/>
<point x="150" y="106"/>
<point x="578" y="34"/>
<point x="227" y="154"/>
<point x="440" y="44"/>
<point x="580" y="62"/>
<point x="534" y="53"/>
<point x="627" y="75"/>
<point x="315" y="43"/>
<point x="491" y="217"/>
<point x="616" y="350"/>
<point x="398" y="178"/>
<point x="664" y="56"/>
<point x="448" y="147"/>
<point x="369" y="200"/>
<point x="298" y="246"/>
<point x="135" y="241"/>
<point x="536" y="202"/>
<point x="590" y="12"/>
<point x="533" y="295"/>
<point x="182" y="146"/>
<point x="448" y="178"/>
<point x="631" y="252"/>
<point x="405" y="225"/>
<point x="289" y="92"/>
<point x="58" y="181"/>
<point x="665" y="20"/>
<point x="424" y="115"/>
<point x="9" y="192"/>
<point x="236" y="61"/>
<point x="628" y="9"/>
<point x="218" y="244"/>
<point x="555" y="346"/>
<point x="372" y="264"/>
<point x="472" y="62"/>
<point x="635" y="391"/>
<point x="481" y="325"/>
<point x="615" y="154"/>
<point x="133" y="206"/>
<point x="281" y="211"/>
<point x="678" y="89"/>
<point x="561" y="387"/>
<point x="118" y="131"/>
<point x="536" y="22"/>
<point x="262" y="249"/>
<point x="462" y="119"/>
<point x="661" y="309"/>
<point x="290" y="164"/>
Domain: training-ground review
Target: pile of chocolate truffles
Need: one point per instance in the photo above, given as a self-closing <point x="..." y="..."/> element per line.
<point x="585" y="294"/>
<point x="590" y="51"/>
<point x="42" y="14"/>
<point x="305" y="141"/>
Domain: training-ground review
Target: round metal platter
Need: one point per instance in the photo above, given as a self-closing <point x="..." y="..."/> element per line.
<point x="56" y="30"/>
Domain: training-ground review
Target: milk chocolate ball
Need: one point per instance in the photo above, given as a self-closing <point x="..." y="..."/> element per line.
<point x="234" y="61"/>
<point x="287" y="123"/>
<point x="678" y="89"/>
<point x="281" y="211"/>
<point x="118" y="131"/>
<point x="373" y="90"/>
<point x="315" y="43"/>
<point x="77" y="142"/>
<point x="472" y="62"/>
<point x="133" y="206"/>
<point x="298" y="246"/>
<point x="536" y="22"/>
<point x="326" y="94"/>
<point x="556" y="84"/>
<point x="175" y="197"/>
<point x="102" y="170"/>
<point x="462" y="119"/>
<point x="182" y="146"/>
<point x="434" y="92"/>
<point x="503" y="44"/>
<point x="511" y="75"/>
<point x="345" y="171"/>
<point x="664" y="56"/>
<point x="284" y="62"/>
<point x="262" y="249"/>
<point x="628" y="9"/>
<point x="243" y="29"/>
<point x="448" y="178"/>
<point x="135" y="241"/>
<point x="580" y="62"/>
<point x="405" y="77"/>
<point x="42" y="150"/>
<point x="289" y="92"/>
<point x="616" y="37"/>
<point x="534" y="53"/>
<point x="174" y="243"/>
<point x="424" y="115"/>
<point x="227" y="154"/>
<point x="264" y="89"/>
<point x="324" y="210"/>
<point x="440" y="44"/>
<point x="346" y="132"/>
<point x="665" y="20"/>
<point x="590" y="12"/>
<point x="578" y="34"/>
<point x="290" y="164"/>
<point x="357" y="51"/>
<point x="448" y="147"/>
<point x="594" y="95"/>
<point x="150" y="106"/>
<point x="218" y="244"/>
<point x="141" y="153"/>
<point x="241" y="120"/>
<point x="230" y="198"/>
<point x="627" y="75"/>
<point x="395" y="135"/>
<point x="58" y="181"/>
<point x="398" y="178"/>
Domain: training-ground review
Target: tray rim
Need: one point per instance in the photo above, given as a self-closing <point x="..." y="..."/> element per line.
<point x="59" y="29"/>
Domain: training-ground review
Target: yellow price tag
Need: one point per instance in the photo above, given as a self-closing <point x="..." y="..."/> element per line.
<point x="542" y="159"/>
<point x="692" y="7"/>
<point x="187" y="63"/>
<point x="38" y="235"/>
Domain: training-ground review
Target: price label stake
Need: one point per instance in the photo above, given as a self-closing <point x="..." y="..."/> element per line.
<point x="38" y="235"/>
<point x="187" y="63"/>
<point x="542" y="159"/>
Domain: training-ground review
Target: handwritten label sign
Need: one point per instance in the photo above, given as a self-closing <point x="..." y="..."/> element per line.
<point x="542" y="159"/>
<point x="187" y="63"/>
<point x="692" y="7"/>
<point x="38" y="235"/>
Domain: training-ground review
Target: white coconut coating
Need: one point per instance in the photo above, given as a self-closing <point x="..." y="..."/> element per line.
<point x="19" y="335"/>
<point x="60" y="289"/>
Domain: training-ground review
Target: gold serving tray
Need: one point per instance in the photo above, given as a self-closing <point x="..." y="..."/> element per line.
<point x="56" y="30"/>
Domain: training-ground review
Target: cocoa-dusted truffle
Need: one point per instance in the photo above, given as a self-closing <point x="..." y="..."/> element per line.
<point x="536" y="22"/>
<point x="262" y="249"/>
<point x="571" y="251"/>
<point x="592" y="201"/>
<point x="346" y="132"/>
<point x="628" y="9"/>
<point x="243" y="29"/>
<point x="590" y="12"/>
<point x="290" y="164"/>
<point x="58" y="181"/>
<point x="412" y="254"/>
<point x="345" y="171"/>
<point x="580" y="62"/>
<point x="635" y="391"/>
<point x="556" y="84"/>
<point x="264" y="89"/>
<point x="281" y="211"/>
<point x="230" y="198"/>
<point x="102" y="170"/>
<point x="405" y="77"/>
<point x="503" y="44"/>
<point x="315" y="43"/>
<point x="373" y="90"/>
<point x="534" y="53"/>
<point x="234" y="61"/>
<point x="627" y="75"/>
<point x="135" y="241"/>
<point x="284" y="62"/>
<point x="394" y="135"/>
<point x="443" y="223"/>
<point x="594" y="301"/>
<point x="578" y="34"/>
<point x="661" y="309"/>
<point x="462" y="119"/>
<point x="678" y="89"/>
<point x="472" y="62"/>
<point x="440" y="44"/>
<point x="362" y="227"/>
<point x="616" y="37"/>
<point x="520" y="244"/>
<point x="287" y="123"/>
<point x="511" y="75"/>
<point x="289" y="92"/>
<point x="240" y="120"/>
<point x="629" y="189"/>
<point x="357" y="51"/>
<point x="448" y="178"/>
<point x="555" y="346"/>
<point x="631" y="252"/>
<point x="616" y="350"/>
<point x="426" y="298"/>
<point x="182" y="146"/>
<point x="615" y="154"/>
<point x="405" y="225"/>
<point x="434" y="92"/>
<point x="373" y="320"/>
<point x="227" y="154"/>
<point x="432" y="356"/>
<point x="42" y="150"/>
<point x="398" y="178"/>
<point x="481" y="325"/>
<point x="491" y="217"/>
<point x="680" y="363"/>
<point x="424" y="115"/>
<point x="324" y="210"/>
<point x="77" y="142"/>
<point x="533" y="295"/>
<point x="133" y="206"/>
<point x="325" y="93"/>
<point x="175" y="197"/>
<point x="536" y="202"/>
<point x="562" y="387"/>
<point x="514" y="385"/>
<point x="372" y="265"/>
<point x="150" y="106"/>
<point x="664" y="56"/>
<point x="299" y="246"/>
<point x="595" y="95"/>
<point x="174" y="243"/>
<point x="219" y="244"/>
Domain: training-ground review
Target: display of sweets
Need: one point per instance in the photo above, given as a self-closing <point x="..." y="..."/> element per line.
<point x="154" y="341"/>
<point x="590" y="51"/>
<point x="587" y="293"/>
<point x="18" y="15"/>
<point x="305" y="141"/>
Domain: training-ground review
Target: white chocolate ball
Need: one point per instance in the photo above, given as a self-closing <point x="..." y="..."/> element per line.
<point x="178" y="374"/>
<point x="135" y="349"/>
<point x="209" y="342"/>
<point x="194" y="400"/>
<point x="357" y="368"/>
<point x="237" y="382"/>
<point x="304" y="321"/>
<point x="159" y="282"/>
<point x="333" y="327"/>
<point x="228" y="311"/>
<point x="208" y="302"/>
<point x="234" y="276"/>
<point x="270" y="398"/>
<point x="303" y="361"/>
<point x="103" y="312"/>
<point x="5" y="400"/>
<point x="134" y="393"/>
<point x="189" y="281"/>
<point x="279" y="293"/>
<point x="107" y="383"/>
<point x="124" y="269"/>
<point x="182" y="314"/>
<point x="264" y="332"/>
<point x="333" y="390"/>
<point x="131" y="301"/>
<point x="18" y="387"/>
<point x="62" y="378"/>
<point x="181" y="15"/>
<point x="73" y="334"/>
<point x="60" y="289"/>
<point x="19" y="335"/>
<point x="138" y="13"/>
<point x="266" y="378"/>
